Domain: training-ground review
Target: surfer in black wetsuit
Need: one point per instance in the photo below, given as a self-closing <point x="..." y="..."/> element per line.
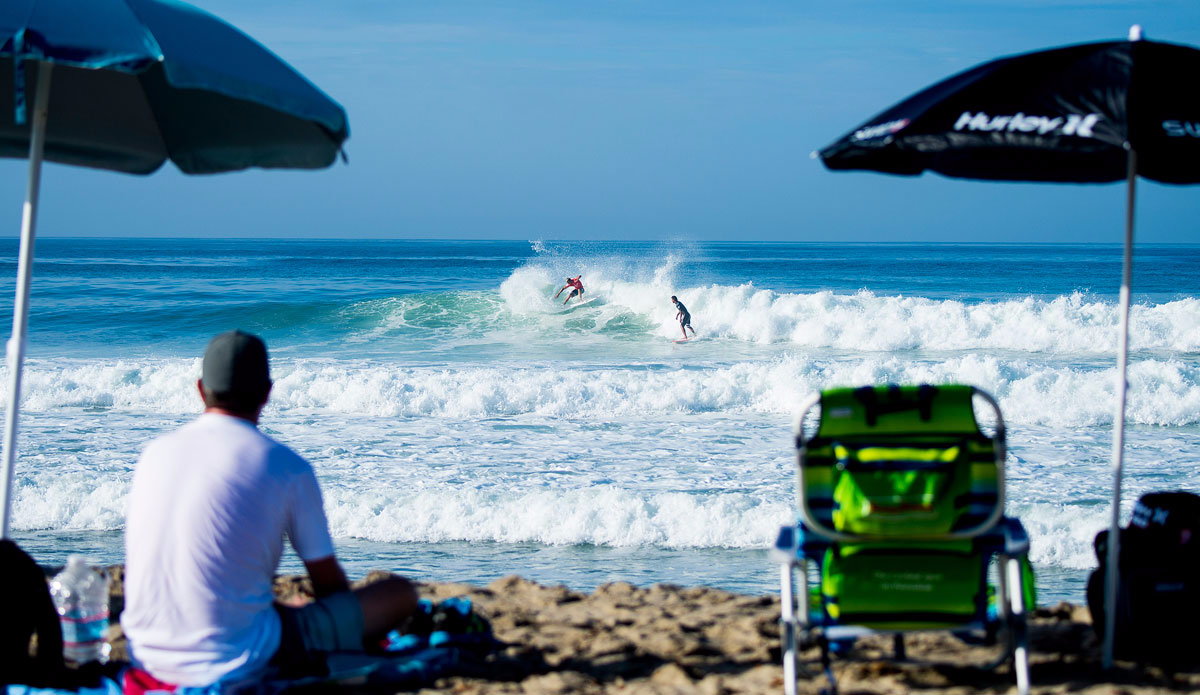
<point x="684" y="318"/>
<point x="577" y="292"/>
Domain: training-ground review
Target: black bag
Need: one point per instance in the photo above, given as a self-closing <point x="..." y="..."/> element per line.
<point x="1158" y="592"/>
<point x="28" y="611"/>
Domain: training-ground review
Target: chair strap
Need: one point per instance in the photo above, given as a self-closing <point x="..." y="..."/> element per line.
<point x="895" y="402"/>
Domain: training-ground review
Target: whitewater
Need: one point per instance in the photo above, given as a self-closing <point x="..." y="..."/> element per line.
<point x="464" y="424"/>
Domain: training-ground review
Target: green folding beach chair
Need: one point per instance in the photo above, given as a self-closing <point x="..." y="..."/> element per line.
<point x="901" y="501"/>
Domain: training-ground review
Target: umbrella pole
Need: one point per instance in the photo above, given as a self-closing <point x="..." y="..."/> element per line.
<point x="1118" y="448"/>
<point x="16" y="344"/>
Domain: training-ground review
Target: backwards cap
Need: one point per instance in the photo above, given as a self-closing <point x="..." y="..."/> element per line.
<point x="236" y="362"/>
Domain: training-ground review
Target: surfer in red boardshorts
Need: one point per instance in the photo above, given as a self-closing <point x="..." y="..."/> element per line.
<point x="577" y="292"/>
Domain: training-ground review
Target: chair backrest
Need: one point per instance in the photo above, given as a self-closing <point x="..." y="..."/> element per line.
<point x="900" y="462"/>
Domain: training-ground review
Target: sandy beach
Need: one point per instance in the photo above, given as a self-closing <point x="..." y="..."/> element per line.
<point x="667" y="639"/>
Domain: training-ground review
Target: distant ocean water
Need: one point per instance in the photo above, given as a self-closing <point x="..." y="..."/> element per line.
<point x="465" y="426"/>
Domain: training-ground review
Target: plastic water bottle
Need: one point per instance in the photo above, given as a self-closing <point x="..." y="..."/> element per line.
<point x="81" y="596"/>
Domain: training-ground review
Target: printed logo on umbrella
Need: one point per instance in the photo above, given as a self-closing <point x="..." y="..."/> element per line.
<point x="1073" y="124"/>
<point x="874" y="131"/>
<point x="1181" y="129"/>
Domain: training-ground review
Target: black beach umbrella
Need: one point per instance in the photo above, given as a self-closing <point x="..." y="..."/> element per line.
<point x="125" y="85"/>
<point x="1091" y="113"/>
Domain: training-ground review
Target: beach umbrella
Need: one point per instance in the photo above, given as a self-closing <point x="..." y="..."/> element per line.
<point x="125" y="85"/>
<point x="1089" y="113"/>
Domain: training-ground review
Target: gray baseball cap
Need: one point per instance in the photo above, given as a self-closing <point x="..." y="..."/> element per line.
<point x="236" y="362"/>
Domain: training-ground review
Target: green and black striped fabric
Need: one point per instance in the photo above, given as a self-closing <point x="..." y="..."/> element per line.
<point x="900" y="461"/>
<point x="903" y="468"/>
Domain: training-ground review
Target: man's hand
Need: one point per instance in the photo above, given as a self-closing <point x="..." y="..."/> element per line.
<point x="295" y="601"/>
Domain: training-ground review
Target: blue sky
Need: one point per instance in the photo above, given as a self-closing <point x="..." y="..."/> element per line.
<point x="629" y="119"/>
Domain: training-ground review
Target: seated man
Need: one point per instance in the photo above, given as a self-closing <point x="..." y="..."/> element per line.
<point x="207" y="512"/>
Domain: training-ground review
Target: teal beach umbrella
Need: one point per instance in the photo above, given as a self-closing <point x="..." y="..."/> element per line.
<point x="125" y="85"/>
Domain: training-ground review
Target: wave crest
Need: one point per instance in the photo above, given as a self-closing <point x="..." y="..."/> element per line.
<point x="1162" y="392"/>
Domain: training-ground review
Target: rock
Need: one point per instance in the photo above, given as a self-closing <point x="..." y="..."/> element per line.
<point x="560" y="683"/>
<point x="671" y="674"/>
<point x="615" y="590"/>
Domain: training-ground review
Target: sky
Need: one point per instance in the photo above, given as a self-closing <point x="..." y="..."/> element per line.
<point x="626" y="119"/>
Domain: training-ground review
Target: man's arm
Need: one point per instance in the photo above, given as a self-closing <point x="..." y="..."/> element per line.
<point x="327" y="576"/>
<point x="560" y="291"/>
<point x="385" y="603"/>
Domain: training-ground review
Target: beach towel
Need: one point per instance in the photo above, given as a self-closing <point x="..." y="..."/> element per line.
<point x="106" y="686"/>
<point x="442" y="639"/>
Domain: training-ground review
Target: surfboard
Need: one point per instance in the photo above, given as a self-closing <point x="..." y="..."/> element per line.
<point x="575" y="305"/>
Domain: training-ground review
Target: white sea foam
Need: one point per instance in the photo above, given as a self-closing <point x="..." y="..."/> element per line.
<point x="601" y="515"/>
<point x="70" y="501"/>
<point x="675" y="480"/>
<point x="417" y="488"/>
<point x="162" y="385"/>
<point x="863" y="321"/>
<point x="1162" y="392"/>
<point x="1061" y="534"/>
<point x="611" y="437"/>
<point x="493" y="418"/>
<point x="867" y="322"/>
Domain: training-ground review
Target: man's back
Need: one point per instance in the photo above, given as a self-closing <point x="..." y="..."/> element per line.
<point x="208" y="509"/>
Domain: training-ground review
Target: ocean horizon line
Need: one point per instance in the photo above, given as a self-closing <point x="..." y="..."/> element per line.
<point x="647" y="242"/>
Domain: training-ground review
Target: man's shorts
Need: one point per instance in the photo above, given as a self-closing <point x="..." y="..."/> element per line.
<point x="685" y="320"/>
<point x="574" y="293"/>
<point x="332" y="624"/>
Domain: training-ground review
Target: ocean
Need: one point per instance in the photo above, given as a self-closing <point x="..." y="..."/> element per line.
<point x="465" y="425"/>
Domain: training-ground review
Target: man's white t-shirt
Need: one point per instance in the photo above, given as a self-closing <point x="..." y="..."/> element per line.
<point x="207" y="513"/>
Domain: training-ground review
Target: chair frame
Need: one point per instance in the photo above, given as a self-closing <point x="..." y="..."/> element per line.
<point x="800" y="547"/>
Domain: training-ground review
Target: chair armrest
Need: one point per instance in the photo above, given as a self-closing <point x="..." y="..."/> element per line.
<point x="1016" y="539"/>
<point x="786" y="546"/>
<point x="794" y="544"/>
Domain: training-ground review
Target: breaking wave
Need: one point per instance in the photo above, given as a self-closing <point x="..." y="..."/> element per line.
<point x="1162" y="392"/>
